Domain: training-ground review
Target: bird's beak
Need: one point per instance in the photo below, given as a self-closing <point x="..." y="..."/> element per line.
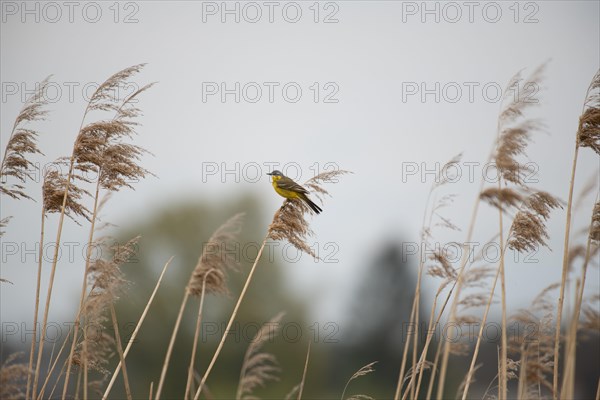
<point x="269" y="173"/>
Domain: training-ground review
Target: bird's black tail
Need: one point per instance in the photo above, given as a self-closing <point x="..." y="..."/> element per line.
<point x="312" y="205"/>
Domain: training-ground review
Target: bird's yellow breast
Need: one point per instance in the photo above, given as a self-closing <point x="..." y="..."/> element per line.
<point x="288" y="194"/>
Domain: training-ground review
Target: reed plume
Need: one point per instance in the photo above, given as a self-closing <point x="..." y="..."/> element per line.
<point x="54" y="191"/>
<point x="216" y="259"/>
<point x="590" y="311"/>
<point x="3" y="224"/>
<point x="100" y="147"/>
<point x="440" y="266"/>
<point x="595" y="225"/>
<point x="13" y="375"/>
<point x="23" y="144"/>
<point x="106" y="277"/>
<point x="365" y="370"/>
<point x="108" y="283"/>
<point x="259" y="367"/>
<point x="588" y="133"/>
<point x="528" y="229"/>
<point x="502" y="198"/>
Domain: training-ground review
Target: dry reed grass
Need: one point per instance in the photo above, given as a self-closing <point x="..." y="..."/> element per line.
<point x="22" y="144"/>
<point x="103" y="147"/>
<point x="216" y="259"/>
<point x="258" y="367"/>
<point x="13" y="377"/>
<point x="365" y="370"/>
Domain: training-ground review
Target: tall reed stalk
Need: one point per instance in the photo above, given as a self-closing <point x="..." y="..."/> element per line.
<point x="21" y="145"/>
<point x="592" y="245"/>
<point x="37" y="301"/>
<point x="52" y="275"/>
<point x="136" y="331"/>
<point x="209" y="274"/>
<point x="588" y="135"/>
<point x="230" y="323"/>
<point x="190" y="378"/>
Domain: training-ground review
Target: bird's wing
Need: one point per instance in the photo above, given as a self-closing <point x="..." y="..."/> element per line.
<point x="288" y="184"/>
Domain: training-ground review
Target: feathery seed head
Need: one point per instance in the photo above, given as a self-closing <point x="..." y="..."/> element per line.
<point x="595" y="226"/>
<point x="53" y="192"/>
<point x="588" y="134"/>
<point x="528" y="230"/>
<point x="215" y="259"/>
<point x="514" y="130"/>
<point x="259" y="368"/>
<point x="13" y="377"/>
<point x="23" y="143"/>
<point x="501" y="198"/>
<point x="100" y="145"/>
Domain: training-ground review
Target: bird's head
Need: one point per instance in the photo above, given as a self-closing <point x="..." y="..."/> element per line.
<point x="275" y="173"/>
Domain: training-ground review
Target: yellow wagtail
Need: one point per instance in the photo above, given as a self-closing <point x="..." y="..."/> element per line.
<point x="289" y="189"/>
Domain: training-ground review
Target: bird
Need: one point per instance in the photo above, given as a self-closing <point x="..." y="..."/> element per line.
<point x="289" y="189"/>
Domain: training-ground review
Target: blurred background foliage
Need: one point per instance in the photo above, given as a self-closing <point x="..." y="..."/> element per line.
<point x="373" y="331"/>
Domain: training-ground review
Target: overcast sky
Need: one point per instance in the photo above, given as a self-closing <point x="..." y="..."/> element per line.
<point x="375" y="87"/>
